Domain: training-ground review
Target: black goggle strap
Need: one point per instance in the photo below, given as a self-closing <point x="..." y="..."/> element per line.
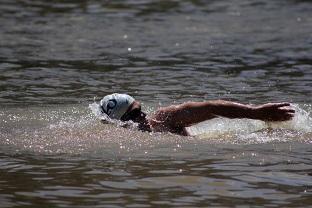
<point x="132" y="115"/>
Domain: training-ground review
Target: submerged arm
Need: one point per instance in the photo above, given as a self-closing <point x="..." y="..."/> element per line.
<point x="191" y="113"/>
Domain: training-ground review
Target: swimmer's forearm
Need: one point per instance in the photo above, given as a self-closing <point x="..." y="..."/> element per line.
<point x="201" y="111"/>
<point x="190" y="113"/>
<point x="194" y="112"/>
<point x="228" y="109"/>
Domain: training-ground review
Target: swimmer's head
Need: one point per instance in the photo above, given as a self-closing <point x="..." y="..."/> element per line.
<point x="115" y="105"/>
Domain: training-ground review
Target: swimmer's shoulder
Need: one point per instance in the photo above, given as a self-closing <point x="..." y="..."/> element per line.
<point x="161" y="121"/>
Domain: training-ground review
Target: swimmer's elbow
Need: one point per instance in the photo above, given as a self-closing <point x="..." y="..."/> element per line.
<point x="190" y="113"/>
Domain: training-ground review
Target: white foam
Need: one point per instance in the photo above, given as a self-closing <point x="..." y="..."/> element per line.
<point x="95" y="109"/>
<point x="78" y="130"/>
<point x="301" y="122"/>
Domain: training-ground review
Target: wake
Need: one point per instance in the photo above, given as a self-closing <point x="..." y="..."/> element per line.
<point x="77" y="130"/>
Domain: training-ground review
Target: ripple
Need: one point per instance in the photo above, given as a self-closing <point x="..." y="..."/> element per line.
<point x="56" y="56"/>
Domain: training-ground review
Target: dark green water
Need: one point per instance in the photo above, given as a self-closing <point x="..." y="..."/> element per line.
<point x="57" y="56"/>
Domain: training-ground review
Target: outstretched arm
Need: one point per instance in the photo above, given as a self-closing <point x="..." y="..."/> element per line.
<point x="191" y="113"/>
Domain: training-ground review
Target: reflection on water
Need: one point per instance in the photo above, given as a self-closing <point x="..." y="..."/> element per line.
<point x="66" y="52"/>
<point x="56" y="56"/>
<point x="250" y="178"/>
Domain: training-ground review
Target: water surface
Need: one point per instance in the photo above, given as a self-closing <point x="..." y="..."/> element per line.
<point x="57" y="56"/>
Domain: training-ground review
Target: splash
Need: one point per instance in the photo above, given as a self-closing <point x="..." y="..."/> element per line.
<point x="78" y="130"/>
<point x="254" y="131"/>
<point x="302" y="120"/>
<point x="74" y="130"/>
<point x="96" y="110"/>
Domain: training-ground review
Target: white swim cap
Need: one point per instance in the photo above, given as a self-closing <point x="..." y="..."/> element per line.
<point x="115" y="105"/>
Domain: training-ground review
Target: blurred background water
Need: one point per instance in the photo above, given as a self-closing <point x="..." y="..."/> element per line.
<point x="57" y="56"/>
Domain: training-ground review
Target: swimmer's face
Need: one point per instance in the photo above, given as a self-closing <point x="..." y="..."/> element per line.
<point x="134" y="113"/>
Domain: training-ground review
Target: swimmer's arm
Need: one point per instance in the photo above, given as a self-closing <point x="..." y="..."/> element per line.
<point x="190" y="113"/>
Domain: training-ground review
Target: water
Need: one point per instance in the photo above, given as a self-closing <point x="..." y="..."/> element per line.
<point x="57" y="56"/>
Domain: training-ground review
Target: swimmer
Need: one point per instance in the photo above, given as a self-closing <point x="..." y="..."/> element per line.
<point x="176" y="118"/>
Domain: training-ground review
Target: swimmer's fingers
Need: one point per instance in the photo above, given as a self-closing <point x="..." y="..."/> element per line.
<point x="287" y="116"/>
<point x="281" y="104"/>
<point x="285" y="107"/>
<point x="275" y="112"/>
<point x="285" y="112"/>
<point x="288" y="110"/>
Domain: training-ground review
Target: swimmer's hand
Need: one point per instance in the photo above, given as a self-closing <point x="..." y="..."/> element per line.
<point x="274" y="112"/>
